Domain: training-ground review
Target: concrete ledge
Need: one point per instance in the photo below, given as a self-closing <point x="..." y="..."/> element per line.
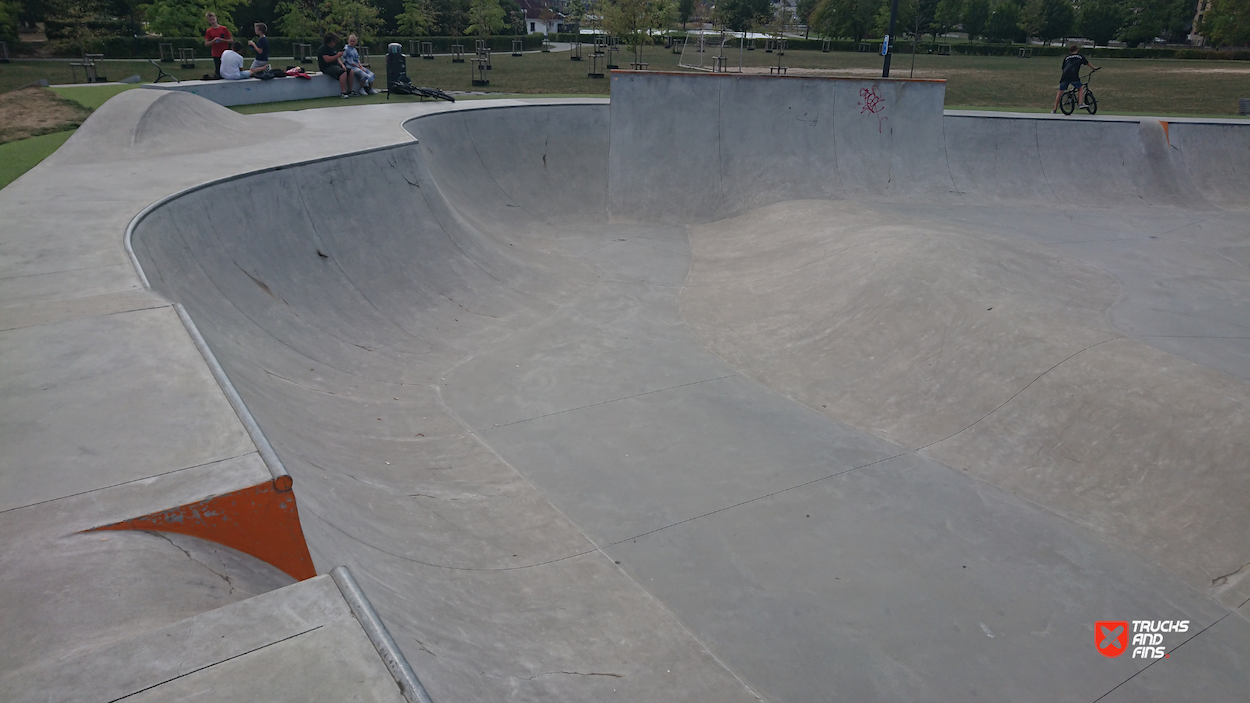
<point x="253" y="90"/>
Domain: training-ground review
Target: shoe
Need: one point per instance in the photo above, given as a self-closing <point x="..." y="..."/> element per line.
<point x="344" y="96"/>
<point x="371" y="91"/>
<point x="1054" y="112"/>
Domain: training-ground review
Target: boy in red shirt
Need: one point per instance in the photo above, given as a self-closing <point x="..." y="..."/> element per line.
<point x="218" y="38"/>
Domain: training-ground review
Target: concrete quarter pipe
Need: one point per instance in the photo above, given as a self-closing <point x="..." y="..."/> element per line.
<point x="742" y="387"/>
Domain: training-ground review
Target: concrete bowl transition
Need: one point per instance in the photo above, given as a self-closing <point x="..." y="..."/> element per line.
<point x="744" y="387"/>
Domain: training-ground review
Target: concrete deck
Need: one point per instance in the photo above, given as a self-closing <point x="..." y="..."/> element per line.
<point x="728" y="390"/>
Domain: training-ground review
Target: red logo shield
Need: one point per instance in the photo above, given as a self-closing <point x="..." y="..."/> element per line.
<point x="1111" y="637"/>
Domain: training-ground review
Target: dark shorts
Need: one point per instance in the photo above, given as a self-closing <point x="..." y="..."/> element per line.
<point x="333" y="71"/>
<point x="1063" y="85"/>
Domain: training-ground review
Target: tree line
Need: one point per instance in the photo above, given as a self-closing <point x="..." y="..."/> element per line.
<point x="1135" y="22"/>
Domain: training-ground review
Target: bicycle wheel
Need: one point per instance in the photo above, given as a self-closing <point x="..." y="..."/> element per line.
<point x="1067" y="102"/>
<point x="1091" y="103"/>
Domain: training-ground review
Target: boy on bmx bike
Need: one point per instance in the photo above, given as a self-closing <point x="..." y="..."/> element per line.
<point x="1071" y="75"/>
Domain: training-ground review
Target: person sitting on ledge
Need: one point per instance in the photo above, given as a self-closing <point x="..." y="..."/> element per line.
<point x="260" y="45"/>
<point x="232" y="64"/>
<point x="330" y="62"/>
<point x="351" y="59"/>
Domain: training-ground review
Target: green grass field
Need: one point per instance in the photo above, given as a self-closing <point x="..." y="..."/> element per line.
<point x="21" y="156"/>
<point x="1125" y="86"/>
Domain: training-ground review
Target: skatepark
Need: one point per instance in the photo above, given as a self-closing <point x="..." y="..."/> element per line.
<point x="726" y="388"/>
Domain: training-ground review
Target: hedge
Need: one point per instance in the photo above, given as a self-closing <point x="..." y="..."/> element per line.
<point x="148" y="47"/>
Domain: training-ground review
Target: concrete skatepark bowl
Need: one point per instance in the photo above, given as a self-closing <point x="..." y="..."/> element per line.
<point x="746" y="387"/>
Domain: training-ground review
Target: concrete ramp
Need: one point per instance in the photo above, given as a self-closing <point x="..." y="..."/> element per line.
<point x="144" y="123"/>
<point x="740" y="390"/>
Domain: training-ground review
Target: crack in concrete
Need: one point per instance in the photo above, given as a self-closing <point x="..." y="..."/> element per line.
<point x="570" y="673"/>
<point x="197" y="561"/>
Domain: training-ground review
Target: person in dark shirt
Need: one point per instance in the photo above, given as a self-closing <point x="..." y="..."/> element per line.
<point x="1071" y="75"/>
<point x="330" y="62"/>
<point x="261" y="46"/>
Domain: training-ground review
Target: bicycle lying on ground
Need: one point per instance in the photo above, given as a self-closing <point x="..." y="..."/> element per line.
<point x="1070" y="101"/>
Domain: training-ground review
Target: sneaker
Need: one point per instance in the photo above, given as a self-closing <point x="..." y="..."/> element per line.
<point x="371" y="91"/>
<point x="344" y="96"/>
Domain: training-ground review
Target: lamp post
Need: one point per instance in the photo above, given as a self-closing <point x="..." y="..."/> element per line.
<point x="885" y="45"/>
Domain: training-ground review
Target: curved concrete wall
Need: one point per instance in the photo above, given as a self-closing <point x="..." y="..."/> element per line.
<point x="375" y="349"/>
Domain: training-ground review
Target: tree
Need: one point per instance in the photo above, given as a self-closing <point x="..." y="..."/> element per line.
<point x="804" y="10"/>
<point x="685" y="8"/>
<point x="1060" y="19"/>
<point x="1227" y="23"/>
<point x="975" y="18"/>
<point x="1046" y="19"/>
<point x="946" y="15"/>
<point x="634" y="20"/>
<point x="1100" y="20"/>
<point x="312" y="18"/>
<point x="485" y="17"/>
<point x="741" y="15"/>
<point x="417" y="18"/>
<point x="914" y="17"/>
<point x="575" y="13"/>
<point x="1004" y="22"/>
<point x="8" y="21"/>
<point x="1147" y="19"/>
<point x="451" y="16"/>
<point x="845" y="18"/>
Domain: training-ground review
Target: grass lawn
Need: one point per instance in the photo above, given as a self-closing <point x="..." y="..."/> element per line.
<point x="19" y="157"/>
<point x="1125" y="86"/>
<point x="1161" y="87"/>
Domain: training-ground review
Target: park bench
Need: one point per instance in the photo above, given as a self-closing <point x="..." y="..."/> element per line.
<point x="944" y="50"/>
<point x="187" y="57"/>
<point x="1026" y="53"/>
<point x="639" y="65"/>
<point x="88" y="66"/>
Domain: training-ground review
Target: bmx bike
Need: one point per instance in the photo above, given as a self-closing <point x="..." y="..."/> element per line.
<point x="1069" y="102"/>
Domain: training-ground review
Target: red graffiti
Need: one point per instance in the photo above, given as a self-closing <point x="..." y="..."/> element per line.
<point x="873" y="103"/>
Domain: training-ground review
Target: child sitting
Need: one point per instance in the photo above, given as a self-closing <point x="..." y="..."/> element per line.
<point x="351" y="59"/>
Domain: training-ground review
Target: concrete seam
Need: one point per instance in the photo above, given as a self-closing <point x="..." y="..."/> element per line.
<point x="209" y="666"/>
<point x="1013" y="395"/>
<point x="123" y="483"/>
<point x="604" y="402"/>
<point x="596" y="546"/>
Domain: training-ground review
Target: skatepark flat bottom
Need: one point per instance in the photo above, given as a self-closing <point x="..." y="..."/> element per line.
<point x="901" y="433"/>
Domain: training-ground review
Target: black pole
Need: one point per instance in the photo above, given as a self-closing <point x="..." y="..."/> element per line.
<point x="885" y="45"/>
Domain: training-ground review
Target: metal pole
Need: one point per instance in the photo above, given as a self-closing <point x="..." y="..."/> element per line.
<point x="885" y="45"/>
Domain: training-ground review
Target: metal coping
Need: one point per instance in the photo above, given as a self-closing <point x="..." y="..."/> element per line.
<point x="409" y="685"/>
<point x="282" y="479"/>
